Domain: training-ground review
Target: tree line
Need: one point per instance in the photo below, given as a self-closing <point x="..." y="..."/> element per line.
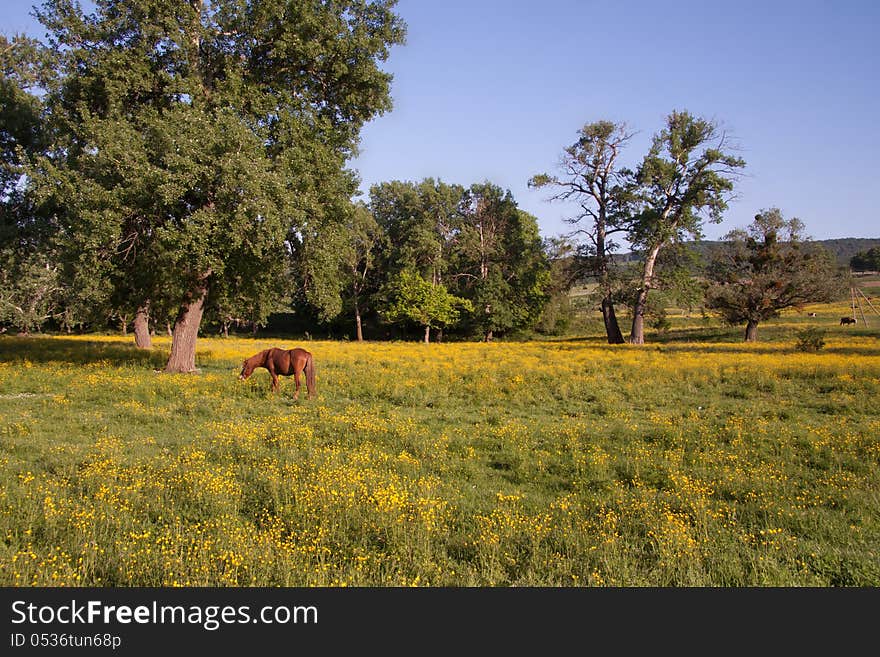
<point x="868" y="260"/>
<point x="166" y="164"/>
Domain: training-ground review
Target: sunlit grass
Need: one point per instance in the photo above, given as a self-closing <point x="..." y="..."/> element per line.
<point x="560" y="463"/>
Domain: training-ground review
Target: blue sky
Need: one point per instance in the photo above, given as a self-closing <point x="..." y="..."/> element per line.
<point x="494" y="90"/>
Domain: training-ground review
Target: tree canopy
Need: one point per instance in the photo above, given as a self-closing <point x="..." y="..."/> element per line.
<point x="198" y="145"/>
<point x="767" y="267"/>
<point x="686" y="178"/>
<point x="866" y="260"/>
<point x="474" y="242"/>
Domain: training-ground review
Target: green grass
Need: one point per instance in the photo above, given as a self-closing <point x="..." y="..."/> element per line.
<point x="695" y="460"/>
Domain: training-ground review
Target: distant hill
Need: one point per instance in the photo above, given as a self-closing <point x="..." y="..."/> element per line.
<point x="842" y="248"/>
<point x="846" y="247"/>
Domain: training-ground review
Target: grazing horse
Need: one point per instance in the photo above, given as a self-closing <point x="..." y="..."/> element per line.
<point x="847" y="320"/>
<point x="283" y="362"/>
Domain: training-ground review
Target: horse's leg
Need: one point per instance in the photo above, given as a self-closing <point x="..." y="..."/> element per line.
<point x="274" y="376"/>
<point x="296" y="371"/>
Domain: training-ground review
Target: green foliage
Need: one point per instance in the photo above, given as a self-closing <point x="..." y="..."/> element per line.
<point x="866" y="260"/>
<point x="419" y="220"/>
<point x="499" y="263"/>
<point x="30" y="290"/>
<point x="558" y="312"/>
<point x="659" y="320"/>
<point x="685" y="179"/>
<point x="22" y="131"/>
<point x="810" y="339"/>
<point x="591" y="178"/>
<point x="475" y="242"/>
<point x="205" y="144"/>
<point x="409" y="297"/>
<point x="767" y="267"/>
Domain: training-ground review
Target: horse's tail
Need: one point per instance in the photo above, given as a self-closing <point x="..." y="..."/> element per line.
<point x="310" y="375"/>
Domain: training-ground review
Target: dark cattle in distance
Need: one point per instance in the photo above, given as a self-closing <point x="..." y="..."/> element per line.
<point x="847" y="320"/>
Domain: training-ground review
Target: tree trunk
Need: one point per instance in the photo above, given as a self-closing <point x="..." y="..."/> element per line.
<point x="186" y="330"/>
<point x="637" y="334"/>
<point x="612" y="328"/>
<point x="751" y="331"/>
<point x="357" y="322"/>
<point x="142" y="339"/>
<point x="488" y="336"/>
<point x="123" y="325"/>
<point x="427" y="334"/>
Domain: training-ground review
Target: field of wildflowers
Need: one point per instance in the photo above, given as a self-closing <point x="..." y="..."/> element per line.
<point x="685" y="462"/>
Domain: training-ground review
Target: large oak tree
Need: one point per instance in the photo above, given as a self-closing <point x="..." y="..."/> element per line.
<point x="199" y="142"/>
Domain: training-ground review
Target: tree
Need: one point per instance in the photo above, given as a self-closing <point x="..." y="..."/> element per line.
<point x="359" y="261"/>
<point x="686" y="178"/>
<point x="200" y="139"/>
<point x="30" y="290"/>
<point x="409" y="297"/>
<point x="767" y="267"/>
<point x="420" y="221"/>
<point x="866" y="260"/>
<point x="591" y="178"/>
<point x="497" y="261"/>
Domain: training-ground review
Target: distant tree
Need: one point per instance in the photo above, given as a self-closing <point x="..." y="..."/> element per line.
<point x="409" y="297"/>
<point x="767" y="267"/>
<point x="497" y="261"/>
<point x="590" y="177"/>
<point x="866" y="260"/>
<point x="685" y="178"/>
<point x="558" y="312"/>
<point x="419" y="220"/>
<point x="360" y="255"/>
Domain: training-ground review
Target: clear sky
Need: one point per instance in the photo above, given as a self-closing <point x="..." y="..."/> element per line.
<point x="494" y="90"/>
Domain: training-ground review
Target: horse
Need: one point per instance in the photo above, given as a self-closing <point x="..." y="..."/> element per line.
<point x="283" y="362"/>
<point x="847" y="320"/>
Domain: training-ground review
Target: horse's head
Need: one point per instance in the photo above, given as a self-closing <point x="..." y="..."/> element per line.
<point x="246" y="370"/>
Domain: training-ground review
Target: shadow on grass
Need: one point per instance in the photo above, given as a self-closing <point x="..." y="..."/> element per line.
<point x="725" y="340"/>
<point x="36" y="349"/>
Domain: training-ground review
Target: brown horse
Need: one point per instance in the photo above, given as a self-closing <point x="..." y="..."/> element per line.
<point x="283" y="362"/>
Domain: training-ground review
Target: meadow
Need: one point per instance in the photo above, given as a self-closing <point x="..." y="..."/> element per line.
<point x="694" y="460"/>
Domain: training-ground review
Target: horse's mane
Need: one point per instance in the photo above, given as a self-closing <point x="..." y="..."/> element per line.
<point x="258" y="358"/>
